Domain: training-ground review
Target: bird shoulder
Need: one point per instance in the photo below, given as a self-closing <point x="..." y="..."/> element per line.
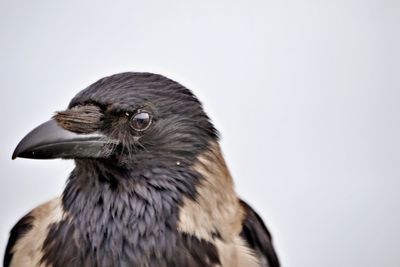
<point x="26" y="239"/>
<point x="216" y="214"/>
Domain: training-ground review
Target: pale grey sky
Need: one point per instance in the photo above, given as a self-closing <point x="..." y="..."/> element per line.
<point x="305" y="93"/>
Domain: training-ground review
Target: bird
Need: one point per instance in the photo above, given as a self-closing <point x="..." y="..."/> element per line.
<point x="150" y="186"/>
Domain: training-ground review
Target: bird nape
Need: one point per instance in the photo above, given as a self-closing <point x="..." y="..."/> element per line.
<point x="150" y="186"/>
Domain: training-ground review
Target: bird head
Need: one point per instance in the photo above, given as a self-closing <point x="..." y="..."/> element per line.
<point x="125" y="118"/>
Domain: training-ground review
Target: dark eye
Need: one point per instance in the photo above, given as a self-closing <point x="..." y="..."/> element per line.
<point x="141" y="121"/>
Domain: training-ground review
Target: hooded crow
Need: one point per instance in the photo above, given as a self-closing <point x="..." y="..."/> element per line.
<point x="150" y="187"/>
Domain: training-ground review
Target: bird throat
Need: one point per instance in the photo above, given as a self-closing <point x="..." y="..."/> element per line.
<point x="119" y="216"/>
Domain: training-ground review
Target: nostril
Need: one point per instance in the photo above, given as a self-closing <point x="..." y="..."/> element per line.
<point x="80" y="119"/>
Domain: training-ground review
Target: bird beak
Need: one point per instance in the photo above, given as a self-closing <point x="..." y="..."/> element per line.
<point x="50" y="141"/>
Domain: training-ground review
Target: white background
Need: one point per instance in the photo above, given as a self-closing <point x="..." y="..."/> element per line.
<point x="305" y="93"/>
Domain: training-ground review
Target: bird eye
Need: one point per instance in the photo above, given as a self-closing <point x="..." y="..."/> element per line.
<point x="141" y="121"/>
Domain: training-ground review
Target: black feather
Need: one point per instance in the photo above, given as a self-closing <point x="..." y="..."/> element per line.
<point x="258" y="237"/>
<point x="18" y="231"/>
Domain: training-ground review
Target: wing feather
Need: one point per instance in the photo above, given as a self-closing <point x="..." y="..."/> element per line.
<point x="258" y="237"/>
<point x="18" y="231"/>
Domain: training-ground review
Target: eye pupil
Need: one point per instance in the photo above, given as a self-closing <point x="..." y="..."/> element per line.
<point x="141" y="121"/>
